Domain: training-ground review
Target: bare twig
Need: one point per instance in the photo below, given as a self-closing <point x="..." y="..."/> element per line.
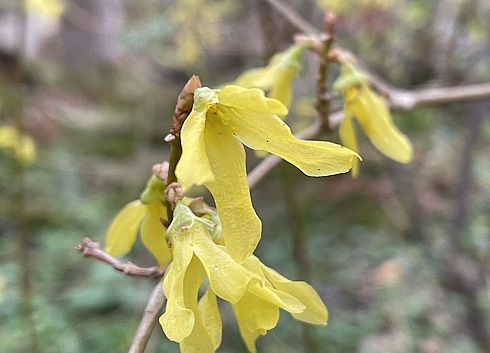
<point x="293" y="17"/>
<point x="323" y="98"/>
<point x="90" y="248"/>
<point x="150" y="316"/>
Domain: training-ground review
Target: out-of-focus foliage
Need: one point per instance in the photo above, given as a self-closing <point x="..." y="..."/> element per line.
<point x="99" y="128"/>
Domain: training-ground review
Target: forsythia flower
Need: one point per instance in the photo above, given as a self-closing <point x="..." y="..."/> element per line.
<point x="277" y="76"/>
<point x="213" y="155"/>
<point x="49" y="8"/>
<point x="255" y="291"/>
<point x="372" y="113"/>
<point x="22" y="146"/>
<point x="144" y="215"/>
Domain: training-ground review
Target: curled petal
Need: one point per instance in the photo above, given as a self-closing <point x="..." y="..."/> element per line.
<point x="278" y="298"/>
<point x="241" y="226"/>
<point x="252" y="100"/>
<point x="315" y="312"/>
<point x="122" y="233"/>
<point x="227" y="278"/>
<point x="210" y="317"/>
<point x="153" y="232"/>
<point x="349" y="139"/>
<point x="256" y="314"/>
<point x="199" y="339"/>
<point x="193" y="167"/>
<point x="373" y="115"/>
<point x="271" y="134"/>
<point x="178" y="320"/>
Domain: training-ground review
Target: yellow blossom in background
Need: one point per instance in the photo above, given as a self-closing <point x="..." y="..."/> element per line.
<point x="373" y="115"/>
<point x="145" y="216"/>
<point x="255" y="291"/>
<point x="19" y="145"/>
<point x="213" y="155"/>
<point x="277" y="77"/>
<point x="49" y="8"/>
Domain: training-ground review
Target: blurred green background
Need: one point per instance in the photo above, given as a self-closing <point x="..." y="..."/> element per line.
<point x="400" y="255"/>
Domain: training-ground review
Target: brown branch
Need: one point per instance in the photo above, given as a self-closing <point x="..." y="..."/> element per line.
<point x="150" y="316"/>
<point x="90" y="248"/>
<point x="293" y="17"/>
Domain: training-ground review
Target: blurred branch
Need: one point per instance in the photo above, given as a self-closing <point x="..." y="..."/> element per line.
<point x="150" y="317"/>
<point x="293" y="17"/>
<point x="90" y="248"/>
<point x="407" y="100"/>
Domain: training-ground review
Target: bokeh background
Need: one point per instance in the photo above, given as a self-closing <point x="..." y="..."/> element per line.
<point x="400" y="255"/>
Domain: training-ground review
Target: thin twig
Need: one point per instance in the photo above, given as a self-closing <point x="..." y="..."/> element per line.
<point x="293" y="17"/>
<point x="90" y="248"/>
<point x="148" y="321"/>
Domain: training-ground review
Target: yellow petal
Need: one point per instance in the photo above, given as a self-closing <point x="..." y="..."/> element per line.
<point x="122" y="232"/>
<point x="241" y="226"/>
<point x="281" y="90"/>
<point x="315" y="311"/>
<point x="249" y="337"/>
<point x="278" y="298"/>
<point x="269" y="133"/>
<point x="178" y="320"/>
<point x="349" y="139"/>
<point x="373" y="115"/>
<point x="210" y="317"/>
<point x="153" y="232"/>
<point x="227" y="278"/>
<point x="252" y="100"/>
<point x="199" y="340"/>
<point x="256" y="314"/>
<point x="193" y="167"/>
<point x="258" y="78"/>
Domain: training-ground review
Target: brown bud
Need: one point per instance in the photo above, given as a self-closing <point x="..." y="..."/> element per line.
<point x="174" y="192"/>
<point x="329" y="22"/>
<point x="160" y="170"/>
<point x="184" y="104"/>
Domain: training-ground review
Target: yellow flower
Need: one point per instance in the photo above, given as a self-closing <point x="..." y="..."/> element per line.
<point x="49" y="8"/>
<point x="145" y="216"/>
<point x="20" y="145"/>
<point x="255" y="291"/>
<point x="373" y="115"/>
<point x="258" y="310"/>
<point x="277" y="76"/>
<point x="213" y="155"/>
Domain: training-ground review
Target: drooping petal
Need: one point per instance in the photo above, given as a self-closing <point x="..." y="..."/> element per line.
<point x="258" y="78"/>
<point x="193" y="167"/>
<point x="248" y="337"/>
<point x="348" y="137"/>
<point x="227" y="278"/>
<point x="269" y="133"/>
<point x="256" y="314"/>
<point x="199" y="340"/>
<point x="315" y="311"/>
<point x="241" y="226"/>
<point x="252" y="100"/>
<point x="153" y="232"/>
<point x="281" y="90"/>
<point x="210" y="316"/>
<point x="276" y="297"/>
<point x="372" y="113"/>
<point x="178" y="320"/>
<point x="122" y="232"/>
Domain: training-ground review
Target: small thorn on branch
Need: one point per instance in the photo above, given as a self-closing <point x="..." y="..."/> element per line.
<point x="90" y="248"/>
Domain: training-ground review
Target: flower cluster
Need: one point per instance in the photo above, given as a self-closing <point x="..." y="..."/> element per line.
<point x="255" y="291"/>
<point x="213" y="135"/>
